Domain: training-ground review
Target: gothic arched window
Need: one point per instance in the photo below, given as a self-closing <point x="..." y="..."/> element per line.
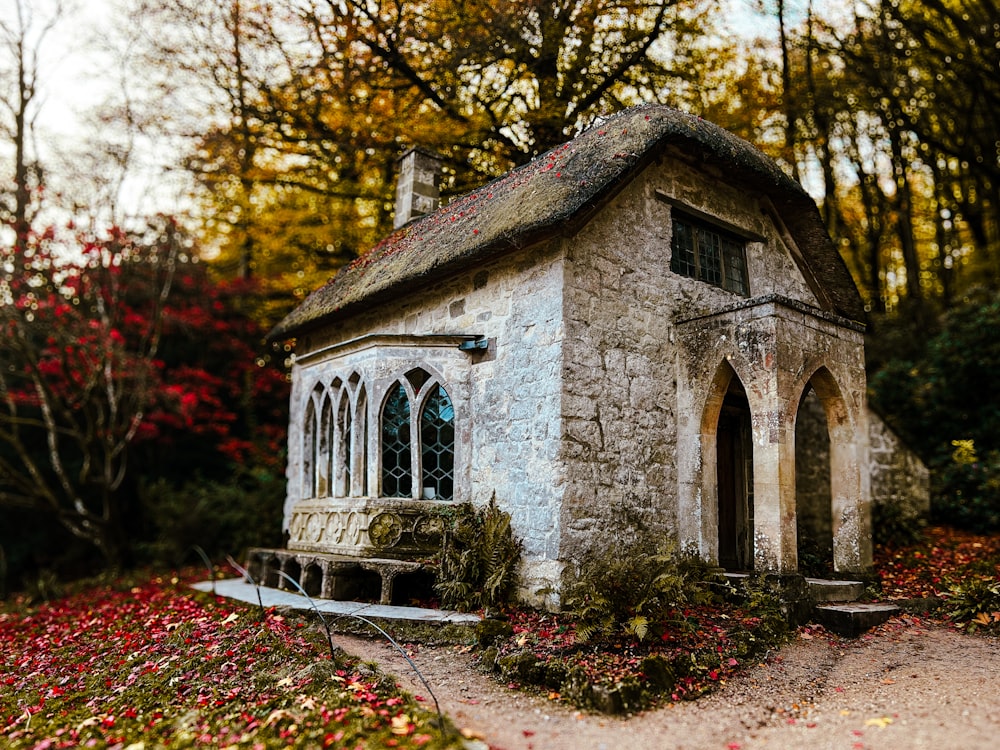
<point x="342" y="460"/>
<point x="418" y="439"/>
<point x="397" y="469"/>
<point x="437" y="445"/>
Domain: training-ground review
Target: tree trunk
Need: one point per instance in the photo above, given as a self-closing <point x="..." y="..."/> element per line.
<point x="904" y="220"/>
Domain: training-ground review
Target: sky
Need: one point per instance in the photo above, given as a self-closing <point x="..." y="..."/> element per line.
<point x="72" y="68"/>
<point x="77" y="73"/>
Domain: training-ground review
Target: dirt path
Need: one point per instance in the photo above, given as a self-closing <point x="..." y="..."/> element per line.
<point x="911" y="685"/>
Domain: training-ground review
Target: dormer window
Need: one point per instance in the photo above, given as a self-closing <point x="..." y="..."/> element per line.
<point x="705" y="252"/>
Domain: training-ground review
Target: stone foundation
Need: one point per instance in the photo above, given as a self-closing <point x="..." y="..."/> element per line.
<point x="327" y="576"/>
<point x="397" y="528"/>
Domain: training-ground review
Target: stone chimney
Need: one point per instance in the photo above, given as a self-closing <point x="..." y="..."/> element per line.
<point x="417" y="186"/>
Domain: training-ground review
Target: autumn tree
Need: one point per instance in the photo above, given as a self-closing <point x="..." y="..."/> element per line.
<point x="312" y="103"/>
<point x="529" y="73"/>
<point x="75" y="391"/>
<point x="898" y="104"/>
<point x="117" y="357"/>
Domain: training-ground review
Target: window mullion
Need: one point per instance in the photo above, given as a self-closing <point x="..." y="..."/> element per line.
<point x="415" y="450"/>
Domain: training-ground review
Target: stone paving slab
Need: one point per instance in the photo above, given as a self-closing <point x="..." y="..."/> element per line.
<point x="239" y="589"/>
<point x="824" y="590"/>
<point x="855" y="618"/>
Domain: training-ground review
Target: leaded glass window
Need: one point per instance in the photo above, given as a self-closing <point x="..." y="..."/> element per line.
<point x="343" y="458"/>
<point x="397" y="471"/>
<point x="360" y="449"/>
<point x="707" y="253"/>
<point x="310" y="439"/>
<point x="437" y="445"/>
<point x="324" y="447"/>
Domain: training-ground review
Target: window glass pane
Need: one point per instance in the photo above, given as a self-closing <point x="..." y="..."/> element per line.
<point x="343" y="461"/>
<point x="710" y="257"/>
<point x="361" y="453"/>
<point x="324" y="450"/>
<point x="397" y="479"/>
<point x="437" y="443"/>
<point x="700" y="251"/>
<point x="310" y="439"/>
<point x="682" y="250"/>
<point x="736" y="270"/>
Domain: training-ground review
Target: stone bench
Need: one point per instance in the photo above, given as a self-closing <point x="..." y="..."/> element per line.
<point x="324" y="575"/>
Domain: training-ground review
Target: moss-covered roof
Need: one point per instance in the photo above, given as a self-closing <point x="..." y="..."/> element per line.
<point x="556" y="193"/>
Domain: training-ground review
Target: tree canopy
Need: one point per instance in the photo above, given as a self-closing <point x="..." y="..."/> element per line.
<point x="314" y="104"/>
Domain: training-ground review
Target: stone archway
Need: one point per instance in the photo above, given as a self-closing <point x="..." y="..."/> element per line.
<point x="780" y="349"/>
<point x="734" y="474"/>
<point x="724" y="474"/>
<point x="813" y="501"/>
<point x="830" y="520"/>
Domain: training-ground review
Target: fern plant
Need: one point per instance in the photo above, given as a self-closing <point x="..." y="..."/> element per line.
<point x="975" y="603"/>
<point x="633" y="594"/>
<point x="479" y="558"/>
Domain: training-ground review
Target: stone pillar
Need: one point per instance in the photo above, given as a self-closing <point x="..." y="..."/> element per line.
<point x="774" y="537"/>
<point x="852" y="546"/>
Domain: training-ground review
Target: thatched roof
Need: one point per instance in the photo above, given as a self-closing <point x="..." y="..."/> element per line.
<point x="556" y="193"/>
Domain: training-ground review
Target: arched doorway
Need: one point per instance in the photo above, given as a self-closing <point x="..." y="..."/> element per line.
<point x="813" y="498"/>
<point x="734" y="470"/>
<point x="832" y="524"/>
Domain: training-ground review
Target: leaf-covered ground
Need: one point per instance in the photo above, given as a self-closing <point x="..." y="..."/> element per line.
<point x="708" y="645"/>
<point x="701" y="647"/>
<point x="945" y="558"/>
<point x="157" y="665"/>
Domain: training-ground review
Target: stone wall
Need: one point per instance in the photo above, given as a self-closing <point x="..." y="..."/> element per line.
<point x="898" y="475"/>
<point x="619" y="390"/>
<point x="622" y="406"/>
<point x="507" y="402"/>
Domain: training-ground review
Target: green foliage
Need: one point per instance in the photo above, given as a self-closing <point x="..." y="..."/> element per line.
<point x="635" y="594"/>
<point x="941" y="403"/>
<point x="966" y="488"/>
<point x="763" y="601"/>
<point x="221" y="517"/>
<point x="479" y="558"/>
<point x="975" y="603"/>
<point x="815" y="560"/>
<point x="892" y="526"/>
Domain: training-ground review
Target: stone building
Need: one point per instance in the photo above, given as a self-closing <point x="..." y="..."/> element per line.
<point x="643" y="336"/>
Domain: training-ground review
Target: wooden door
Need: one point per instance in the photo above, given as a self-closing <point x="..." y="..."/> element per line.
<point x="726" y="458"/>
<point x="733" y="461"/>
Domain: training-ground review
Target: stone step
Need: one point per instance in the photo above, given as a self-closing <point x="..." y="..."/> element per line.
<point x="824" y="590"/>
<point x="736" y="579"/>
<point x="853" y="618"/>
